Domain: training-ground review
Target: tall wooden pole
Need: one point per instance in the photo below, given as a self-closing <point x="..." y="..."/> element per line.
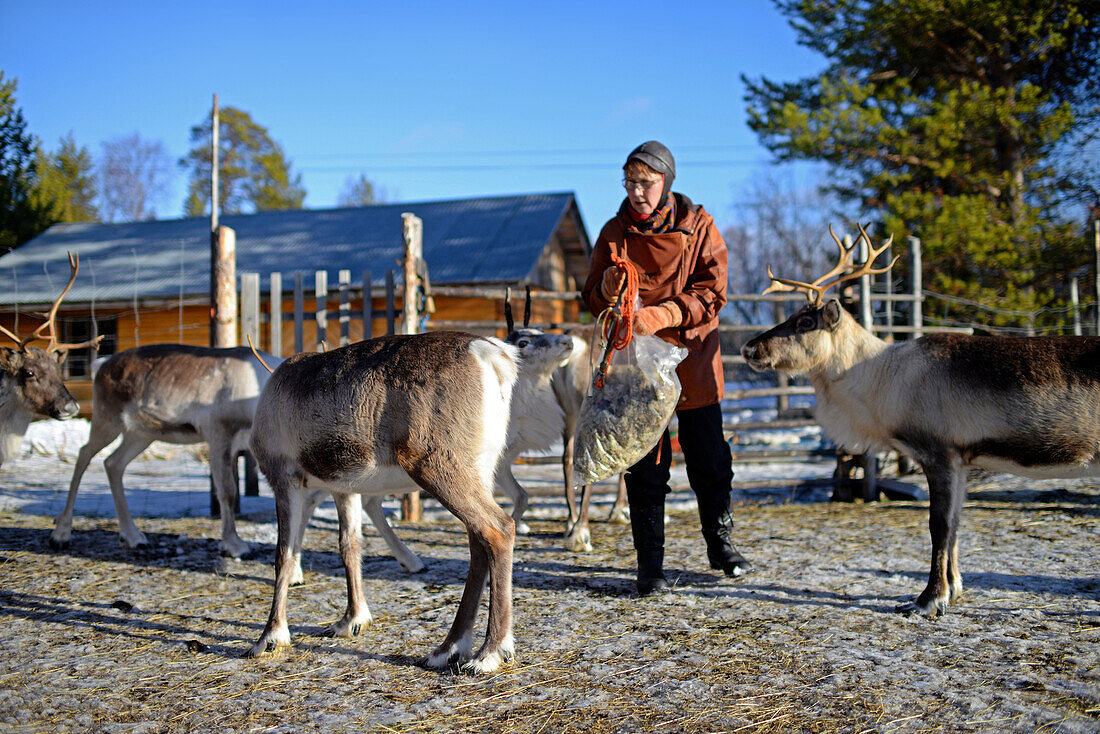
<point x="225" y="288"/>
<point x="412" y="229"/>
<point x="214" y="246"/>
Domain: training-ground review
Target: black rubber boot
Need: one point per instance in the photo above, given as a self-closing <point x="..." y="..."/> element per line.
<point x="723" y="556"/>
<point x="647" y="524"/>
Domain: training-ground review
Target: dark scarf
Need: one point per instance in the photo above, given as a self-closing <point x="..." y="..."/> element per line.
<point x="662" y="220"/>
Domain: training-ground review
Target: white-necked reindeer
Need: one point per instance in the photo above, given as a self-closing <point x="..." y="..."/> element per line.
<point x="391" y="414"/>
<point x="569" y="383"/>
<point x="1027" y="405"/>
<point x="31" y="380"/>
<point x="176" y="393"/>
<point x="535" y="420"/>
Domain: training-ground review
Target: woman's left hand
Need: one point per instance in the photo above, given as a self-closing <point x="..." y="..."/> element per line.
<point x="651" y="319"/>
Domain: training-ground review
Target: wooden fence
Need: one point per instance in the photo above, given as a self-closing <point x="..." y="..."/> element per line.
<point x="332" y="308"/>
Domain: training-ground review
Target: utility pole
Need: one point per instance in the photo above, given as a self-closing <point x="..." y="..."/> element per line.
<point x="223" y="260"/>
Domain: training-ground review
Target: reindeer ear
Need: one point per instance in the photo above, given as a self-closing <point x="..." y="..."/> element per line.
<point x="10" y="359"/>
<point x="831" y="313"/>
<point x="61" y="355"/>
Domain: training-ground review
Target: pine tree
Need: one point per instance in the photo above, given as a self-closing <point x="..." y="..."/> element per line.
<point x="942" y="120"/>
<point x="21" y="215"/>
<point x="66" y="183"/>
<point x="253" y="171"/>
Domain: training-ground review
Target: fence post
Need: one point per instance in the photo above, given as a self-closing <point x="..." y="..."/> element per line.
<point x="412" y="229"/>
<point x="916" y="278"/>
<point x="223" y="308"/>
<point x="320" y="304"/>
<point x="865" y="315"/>
<point x="869" y="460"/>
<point x="275" y="341"/>
<point x="225" y="289"/>
<point x="299" y="313"/>
<point x="368" y="306"/>
<point x="391" y="309"/>
<point x="1075" y="305"/>
<point x="1096" y="247"/>
<point x="250" y="308"/>
<point x="343" y="279"/>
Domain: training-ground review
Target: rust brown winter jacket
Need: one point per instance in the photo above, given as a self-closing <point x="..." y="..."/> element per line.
<point x="687" y="266"/>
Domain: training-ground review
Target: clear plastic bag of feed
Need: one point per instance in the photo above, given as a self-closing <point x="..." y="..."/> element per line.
<point x="624" y="418"/>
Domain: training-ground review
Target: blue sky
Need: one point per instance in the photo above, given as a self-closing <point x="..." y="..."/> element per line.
<point x="430" y="100"/>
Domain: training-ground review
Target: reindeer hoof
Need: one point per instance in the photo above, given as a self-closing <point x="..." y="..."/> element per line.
<point x="261" y="648"/>
<point x="915" y="609"/>
<point x="413" y="567"/>
<point x="619" y="516"/>
<point x="442" y="661"/>
<point x="579" y="541"/>
<point x="58" y="545"/>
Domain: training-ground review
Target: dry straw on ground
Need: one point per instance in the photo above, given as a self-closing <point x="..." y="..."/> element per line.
<point x="99" y="638"/>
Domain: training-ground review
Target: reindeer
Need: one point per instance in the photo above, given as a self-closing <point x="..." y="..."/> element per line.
<point x="533" y="422"/>
<point x="175" y="393"/>
<point x="569" y="383"/>
<point x="31" y="380"/>
<point x="396" y="413"/>
<point x="1027" y="405"/>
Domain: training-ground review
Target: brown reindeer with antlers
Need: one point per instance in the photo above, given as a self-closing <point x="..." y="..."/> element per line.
<point x="1026" y="405"/>
<point x="31" y="382"/>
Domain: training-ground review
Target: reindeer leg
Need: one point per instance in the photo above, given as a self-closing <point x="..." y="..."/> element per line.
<point x="492" y="537"/>
<point x="458" y="644"/>
<point x="567" y="471"/>
<point x="99" y="437"/>
<point x="310" y="505"/>
<point x="349" y="508"/>
<point x="579" y="538"/>
<point x="115" y="465"/>
<point x="225" y="485"/>
<point x="498" y="539"/>
<point x="289" y="504"/>
<point x="518" y="494"/>
<point x="506" y="481"/>
<point x="405" y="557"/>
<point x="620" y="511"/>
<point x="946" y="487"/>
<point x="958" y="496"/>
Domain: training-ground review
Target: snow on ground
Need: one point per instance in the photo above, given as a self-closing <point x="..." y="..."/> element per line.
<point x="99" y="638"/>
<point x="170" y="480"/>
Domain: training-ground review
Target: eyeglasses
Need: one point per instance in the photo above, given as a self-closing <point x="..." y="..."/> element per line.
<point x="630" y="184"/>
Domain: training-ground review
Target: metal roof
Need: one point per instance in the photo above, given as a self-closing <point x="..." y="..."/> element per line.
<point x="466" y="241"/>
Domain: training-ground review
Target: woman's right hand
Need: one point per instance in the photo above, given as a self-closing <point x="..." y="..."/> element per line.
<point x="612" y="281"/>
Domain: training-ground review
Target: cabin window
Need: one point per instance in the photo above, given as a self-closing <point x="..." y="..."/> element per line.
<point x="78" y="365"/>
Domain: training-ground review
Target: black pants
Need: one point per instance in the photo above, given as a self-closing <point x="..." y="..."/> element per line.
<point x="709" y="470"/>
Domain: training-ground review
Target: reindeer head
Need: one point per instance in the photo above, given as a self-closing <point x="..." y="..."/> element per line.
<point x="541" y="352"/>
<point x="32" y="376"/>
<point x="810" y="337"/>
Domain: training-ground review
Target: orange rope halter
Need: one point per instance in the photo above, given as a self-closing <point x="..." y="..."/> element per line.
<point x="617" y="321"/>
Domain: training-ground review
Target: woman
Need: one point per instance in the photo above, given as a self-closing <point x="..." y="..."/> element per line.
<point x="681" y="261"/>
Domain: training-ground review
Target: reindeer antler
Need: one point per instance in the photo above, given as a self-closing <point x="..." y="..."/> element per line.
<point x="50" y="324"/>
<point x="815" y="291"/>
